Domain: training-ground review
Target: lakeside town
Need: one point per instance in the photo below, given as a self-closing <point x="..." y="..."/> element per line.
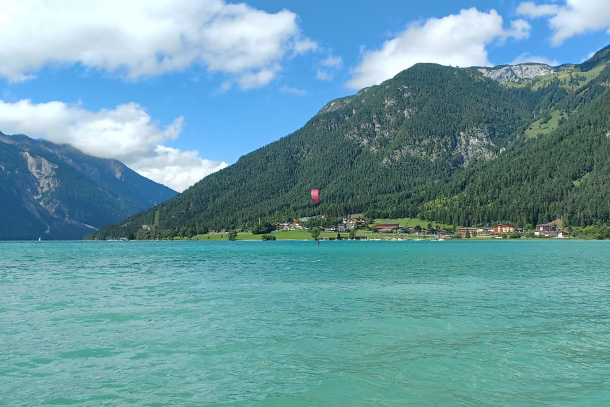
<point x="503" y="230"/>
<point x="362" y="228"/>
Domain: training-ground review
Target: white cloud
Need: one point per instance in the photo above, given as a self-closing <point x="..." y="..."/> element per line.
<point x="572" y="18"/>
<point x="294" y="91"/>
<point x="324" y="76"/>
<point x="126" y="133"/>
<point x="527" y="58"/>
<point x="530" y="9"/>
<point x="141" y="38"/>
<point x="305" y="45"/>
<point x="176" y="169"/>
<point x="331" y="63"/>
<point x="519" y="30"/>
<point x="458" y="39"/>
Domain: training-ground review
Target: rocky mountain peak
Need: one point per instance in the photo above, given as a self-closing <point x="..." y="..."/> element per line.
<point x="516" y="73"/>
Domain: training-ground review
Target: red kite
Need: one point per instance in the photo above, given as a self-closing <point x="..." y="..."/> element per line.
<point x="315" y="196"/>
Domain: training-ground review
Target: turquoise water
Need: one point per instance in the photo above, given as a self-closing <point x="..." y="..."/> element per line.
<point x="295" y="324"/>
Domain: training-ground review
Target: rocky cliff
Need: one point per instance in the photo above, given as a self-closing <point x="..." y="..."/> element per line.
<point x="516" y="73"/>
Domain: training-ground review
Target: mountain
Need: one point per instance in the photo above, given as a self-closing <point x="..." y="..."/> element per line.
<point x="454" y="145"/>
<point x="57" y="192"/>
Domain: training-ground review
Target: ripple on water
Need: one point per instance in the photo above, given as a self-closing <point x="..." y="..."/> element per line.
<point x="291" y="323"/>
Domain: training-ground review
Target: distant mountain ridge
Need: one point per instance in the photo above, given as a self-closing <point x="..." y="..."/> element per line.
<point x="57" y="192"/>
<point x="516" y="73"/>
<point x="440" y="143"/>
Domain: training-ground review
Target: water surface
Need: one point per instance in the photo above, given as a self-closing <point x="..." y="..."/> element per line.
<point x="295" y="324"/>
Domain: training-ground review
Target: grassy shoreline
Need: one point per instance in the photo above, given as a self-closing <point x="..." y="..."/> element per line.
<point x="306" y="236"/>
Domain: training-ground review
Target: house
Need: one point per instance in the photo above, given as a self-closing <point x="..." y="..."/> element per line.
<point x="362" y="222"/>
<point x="504" y="228"/>
<point x="562" y="235"/>
<point x="485" y="232"/>
<point x="467" y="231"/>
<point x="386" y="227"/>
<point x="546" y="229"/>
<point x="282" y="226"/>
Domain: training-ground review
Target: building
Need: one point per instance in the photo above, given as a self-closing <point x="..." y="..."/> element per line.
<point x="386" y="227"/>
<point x="467" y="231"/>
<point x="546" y="229"/>
<point x="504" y="228"/>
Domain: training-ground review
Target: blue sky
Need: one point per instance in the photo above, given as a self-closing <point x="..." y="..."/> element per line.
<point x="177" y="89"/>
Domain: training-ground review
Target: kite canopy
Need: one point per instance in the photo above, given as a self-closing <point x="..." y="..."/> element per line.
<point x="315" y="196"/>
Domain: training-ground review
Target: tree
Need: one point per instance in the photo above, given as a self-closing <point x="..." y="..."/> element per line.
<point x="232" y="235"/>
<point x="315" y="233"/>
<point x="352" y="234"/>
<point x="262" y="228"/>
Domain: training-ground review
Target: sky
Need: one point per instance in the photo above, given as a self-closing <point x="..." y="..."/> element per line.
<point x="178" y="89"/>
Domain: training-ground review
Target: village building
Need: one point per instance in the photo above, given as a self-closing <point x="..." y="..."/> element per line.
<point x="504" y="228"/>
<point x="282" y="226"/>
<point x="387" y="227"/>
<point x="546" y="229"/>
<point x="467" y="231"/>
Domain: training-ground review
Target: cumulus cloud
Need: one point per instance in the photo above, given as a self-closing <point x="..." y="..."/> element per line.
<point x="457" y="39"/>
<point x="142" y="38"/>
<point x="126" y="133"/>
<point x="572" y="18"/>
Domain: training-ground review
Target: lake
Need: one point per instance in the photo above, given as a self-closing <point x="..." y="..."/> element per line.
<point x="454" y="323"/>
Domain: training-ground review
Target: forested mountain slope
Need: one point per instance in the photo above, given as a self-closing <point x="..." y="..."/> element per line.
<point x="441" y="143"/>
<point x="57" y="192"/>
